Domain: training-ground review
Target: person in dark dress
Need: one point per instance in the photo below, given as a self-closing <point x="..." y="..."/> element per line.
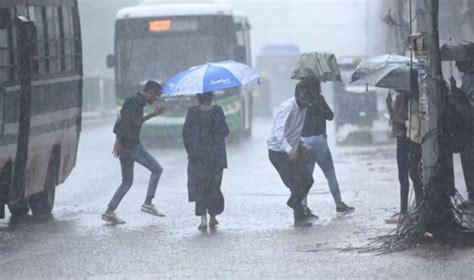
<point x="204" y="133"/>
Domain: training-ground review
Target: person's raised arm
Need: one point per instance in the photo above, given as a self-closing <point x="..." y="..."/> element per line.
<point x="157" y="112"/>
<point x="326" y="111"/>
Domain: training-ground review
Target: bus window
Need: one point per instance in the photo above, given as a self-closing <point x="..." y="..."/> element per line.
<point x="41" y="68"/>
<point x="52" y="35"/>
<point x="62" y="48"/>
<point x="8" y="69"/>
<point x="69" y="38"/>
<point x="44" y="55"/>
<point x="240" y="50"/>
<point x="4" y="51"/>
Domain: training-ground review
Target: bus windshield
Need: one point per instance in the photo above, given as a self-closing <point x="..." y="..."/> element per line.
<point x="160" y="56"/>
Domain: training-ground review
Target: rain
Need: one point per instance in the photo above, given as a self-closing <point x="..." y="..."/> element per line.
<point x="234" y="139"/>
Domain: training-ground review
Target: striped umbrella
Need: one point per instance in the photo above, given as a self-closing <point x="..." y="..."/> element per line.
<point x="210" y="77"/>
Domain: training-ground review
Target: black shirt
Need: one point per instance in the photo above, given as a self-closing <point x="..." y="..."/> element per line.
<point x="127" y="128"/>
<point x="316" y="116"/>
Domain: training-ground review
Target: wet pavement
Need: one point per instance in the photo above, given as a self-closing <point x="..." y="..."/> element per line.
<point x="255" y="238"/>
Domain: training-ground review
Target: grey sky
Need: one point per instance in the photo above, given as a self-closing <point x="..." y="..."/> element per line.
<point x="338" y="26"/>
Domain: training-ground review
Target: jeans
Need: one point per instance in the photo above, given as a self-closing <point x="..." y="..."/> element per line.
<point x="322" y="155"/>
<point x="127" y="160"/>
<point x="408" y="160"/>
<point x="296" y="176"/>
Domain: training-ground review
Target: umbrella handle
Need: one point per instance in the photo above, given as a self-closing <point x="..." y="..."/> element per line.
<point x="451" y="67"/>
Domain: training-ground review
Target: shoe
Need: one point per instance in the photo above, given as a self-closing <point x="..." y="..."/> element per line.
<point x="344" y="209"/>
<point x="310" y="215"/>
<point x="303" y="223"/>
<point x="112" y="218"/>
<point x="151" y="209"/>
<point x="203" y="225"/>
<point x="394" y="219"/>
<point x="213" y="222"/>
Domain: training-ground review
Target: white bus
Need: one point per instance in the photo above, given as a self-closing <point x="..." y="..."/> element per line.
<point x="40" y="101"/>
<point x="158" y="39"/>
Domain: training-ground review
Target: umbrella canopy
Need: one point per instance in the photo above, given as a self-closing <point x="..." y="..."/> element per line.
<point x="375" y="63"/>
<point x="317" y="65"/>
<point x="392" y="76"/>
<point x="210" y="77"/>
<point x="458" y="52"/>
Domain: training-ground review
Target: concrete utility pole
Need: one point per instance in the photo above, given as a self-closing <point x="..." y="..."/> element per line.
<point x="436" y="159"/>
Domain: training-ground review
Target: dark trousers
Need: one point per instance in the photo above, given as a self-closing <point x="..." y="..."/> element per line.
<point x="207" y="188"/>
<point x="467" y="162"/>
<point x="127" y="161"/>
<point x="296" y="176"/>
<point x="408" y="160"/>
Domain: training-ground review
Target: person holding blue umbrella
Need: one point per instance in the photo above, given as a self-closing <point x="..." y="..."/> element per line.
<point x="205" y="130"/>
<point x="204" y="134"/>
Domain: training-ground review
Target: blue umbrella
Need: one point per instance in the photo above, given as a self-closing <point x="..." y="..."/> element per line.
<point x="210" y="77"/>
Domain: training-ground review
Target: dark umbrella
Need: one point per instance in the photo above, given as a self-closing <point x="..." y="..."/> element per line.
<point x="322" y="66"/>
<point x="458" y="52"/>
<point x="394" y="76"/>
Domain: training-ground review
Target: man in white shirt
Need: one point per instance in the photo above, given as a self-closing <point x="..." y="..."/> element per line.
<point x="287" y="153"/>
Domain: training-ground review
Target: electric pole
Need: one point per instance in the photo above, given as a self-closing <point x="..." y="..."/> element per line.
<point x="438" y="179"/>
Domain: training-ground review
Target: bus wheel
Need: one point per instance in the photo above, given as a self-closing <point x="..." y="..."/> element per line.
<point x="19" y="209"/>
<point x="42" y="203"/>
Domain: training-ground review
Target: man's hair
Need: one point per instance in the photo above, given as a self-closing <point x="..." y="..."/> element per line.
<point x="300" y="86"/>
<point x="152" y="85"/>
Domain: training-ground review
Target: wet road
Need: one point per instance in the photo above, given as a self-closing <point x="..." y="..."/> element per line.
<point x="255" y="238"/>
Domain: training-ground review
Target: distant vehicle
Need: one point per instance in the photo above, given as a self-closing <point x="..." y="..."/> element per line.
<point x="276" y="63"/>
<point x="40" y="101"/>
<point x="360" y="113"/>
<point x="158" y="39"/>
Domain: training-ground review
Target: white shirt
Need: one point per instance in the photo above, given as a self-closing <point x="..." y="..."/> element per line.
<point x="287" y="127"/>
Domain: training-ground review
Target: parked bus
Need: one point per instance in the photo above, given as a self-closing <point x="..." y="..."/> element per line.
<point x="276" y="63"/>
<point x="40" y="101"/>
<point x="158" y="39"/>
<point x="360" y="112"/>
